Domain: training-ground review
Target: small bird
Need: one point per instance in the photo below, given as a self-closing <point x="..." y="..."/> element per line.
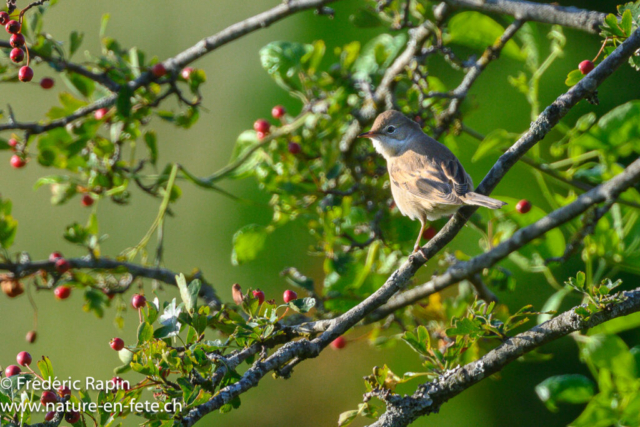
<point x="427" y="179"/>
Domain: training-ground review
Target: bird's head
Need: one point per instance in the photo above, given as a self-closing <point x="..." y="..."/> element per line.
<point x="390" y="133"/>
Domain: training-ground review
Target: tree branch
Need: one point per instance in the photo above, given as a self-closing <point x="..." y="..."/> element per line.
<point x="570" y="17"/>
<point x="207" y="292"/>
<point x="175" y="64"/>
<point x="429" y="397"/>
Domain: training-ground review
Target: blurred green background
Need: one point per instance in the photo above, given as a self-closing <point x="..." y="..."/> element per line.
<point x="237" y="92"/>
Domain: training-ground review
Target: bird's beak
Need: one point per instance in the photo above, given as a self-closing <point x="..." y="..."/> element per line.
<point x="367" y="135"/>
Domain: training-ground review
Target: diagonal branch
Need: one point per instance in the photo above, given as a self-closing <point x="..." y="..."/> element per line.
<point x="571" y="17"/>
<point x="429" y="397"/>
<point x="606" y="192"/>
<point x="175" y="64"/>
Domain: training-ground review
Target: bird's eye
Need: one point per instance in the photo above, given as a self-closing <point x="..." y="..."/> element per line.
<point x="391" y="129"/>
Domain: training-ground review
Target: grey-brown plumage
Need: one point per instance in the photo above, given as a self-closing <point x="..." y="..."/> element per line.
<point x="427" y="179"/>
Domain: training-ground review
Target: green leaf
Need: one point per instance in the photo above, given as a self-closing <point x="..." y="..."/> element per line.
<point x="617" y="325"/>
<point x="302" y="305"/>
<point x="610" y="352"/>
<point x="573" y="78"/>
<point x="282" y="60"/>
<point x="46" y="368"/>
<point x="565" y="389"/>
<point x="75" y="40"/>
<point x="627" y="22"/>
<point x="478" y="31"/>
<point x="126" y="356"/>
<point x="365" y="18"/>
<point x="151" y="140"/>
<point x="248" y="242"/>
<point x="188" y="294"/>
<point x="377" y="55"/>
<point x="611" y="22"/>
<point x="580" y="279"/>
<point x="247" y="141"/>
<point x="419" y="341"/>
<point x="497" y="139"/>
<point x="80" y="85"/>
<point x="145" y="333"/>
<point x="347" y="418"/>
<point x="123" y="103"/>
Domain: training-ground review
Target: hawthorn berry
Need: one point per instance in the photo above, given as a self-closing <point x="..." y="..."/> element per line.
<point x="138" y="301"/>
<point x="278" y="112"/>
<point x="17" y="40"/>
<point x="48" y="397"/>
<point x="24" y="358"/>
<point x="429" y="233"/>
<point x="523" y="206"/>
<point x="289" y="296"/>
<point x="586" y="67"/>
<point x="62" y="292"/>
<point x="25" y="74"/>
<point x="294" y="148"/>
<point x="31" y="337"/>
<point x="72" y="417"/>
<point x="339" y="343"/>
<point x="49" y="416"/>
<point x="120" y="384"/>
<point x="11" y="370"/>
<point x="260" y="295"/>
<point x="17" y="161"/>
<point x="47" y="83"/>
<point x="12" y="27"/>
<point x="158" y="70"/>
<point x="100" y="113"/>
<point x="260" y="135"/>
<point x="186" y="73"/>
<point x="62" y="265"/>
<point x="87" y="200"/>
<point x="55" y="256"/>
<point x="4" y="18"/>
<point x="17" y="55"/>
<point x="13" y="143"/>
<point x="261" y="125"/>
<point x="117" y="344"/>
<point x="64" y="391"/>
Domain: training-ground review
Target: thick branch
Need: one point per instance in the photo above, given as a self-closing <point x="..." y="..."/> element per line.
<point x="207" y="293"/>
<point x="570" y="17"/>
<point x="430" y="396"/>
<point x="175" y="64"/>
<point x="608" y="191"/>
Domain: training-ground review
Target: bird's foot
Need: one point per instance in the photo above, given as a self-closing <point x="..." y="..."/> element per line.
<point x="421" y="250"/>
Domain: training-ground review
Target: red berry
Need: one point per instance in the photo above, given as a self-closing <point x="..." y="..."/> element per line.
<point x="586" y="67"/>
<point x="17" y="40"/>
<point x="12" y="27"/>
<point x="278" y="112"/>
<point x="87" y="200"/>
<point x="46" y="83"/>
<point x="48" y="397"/>
<point x="294" y="148"/>
<point x="339" y="343"/>
<point x="186" y="73"/>
<point x="62" y="265"/>
<point x="62" y="292"/>
<point x="138" y="301"/>
<point x="261" y="125"/>
<point x="17" y="161"/>
<point x="31" y="337"/>
<point x="25" y="74"/>
<point x="16" y="55"/>
<point x="260" y="295"/>
<point x="54" y="256"/>
<point x="11" y="370"/>
<point x="523" y="206"/>
<point x="13" y="143"/>
<point x="429" y="233"/>
<point x="289" y="296"/>
<point x="64" y="391"/>
<point x="158" y="70"/>
<point x="24" y="358"/>
<point x="4" y="18"/>
<point x="49" y="416"/>
<point x="120" y="384"/>
<point x="72" y="417"/>
<point x="261" y="135"/>
<point x="100" y="113"/>
<point x="117" y="344"/>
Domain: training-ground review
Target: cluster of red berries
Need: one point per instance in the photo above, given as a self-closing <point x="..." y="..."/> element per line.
<point x="262" y="127"/>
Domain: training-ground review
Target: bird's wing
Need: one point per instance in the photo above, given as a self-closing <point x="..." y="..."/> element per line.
<point x="425" y="180"/>
<point x="457" y="176"/>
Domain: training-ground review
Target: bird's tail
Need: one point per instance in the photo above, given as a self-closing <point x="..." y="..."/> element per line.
<point x="476" y="199"/>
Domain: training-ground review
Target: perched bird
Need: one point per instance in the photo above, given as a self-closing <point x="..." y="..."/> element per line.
<point x="427" y="179"/>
